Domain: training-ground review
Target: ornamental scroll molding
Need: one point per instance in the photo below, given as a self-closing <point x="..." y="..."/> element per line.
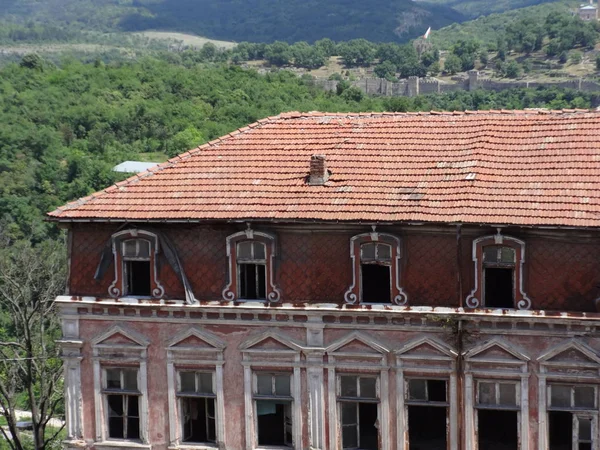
<point x="353" y="294"/>
<point x="474" y="299"/>
<point x="229" y="293"/>
<point x="116" y="288"/>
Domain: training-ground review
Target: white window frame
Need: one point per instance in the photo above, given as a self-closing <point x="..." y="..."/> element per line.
<point x="576" y="412"/>
<point x="356" y="400"/>
<point x="208" y="358"/>
<point x="106" y="391"/>
<point x="131" y="355"/>
<point x="198" y="395"/>
<point x="273" y="397"/>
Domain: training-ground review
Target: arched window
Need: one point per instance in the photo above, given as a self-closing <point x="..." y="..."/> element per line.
<point x="135" y="253"/>
<point x="375" y="270"/>
<point x="498" y="263"/>
<point x="251" y="254"/>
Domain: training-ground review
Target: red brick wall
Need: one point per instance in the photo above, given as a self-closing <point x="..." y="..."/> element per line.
<point x="560" y="274"/>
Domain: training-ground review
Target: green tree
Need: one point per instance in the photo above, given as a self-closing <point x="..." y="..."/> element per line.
<point x="452" y="64"/>
<point x="278" y="53"/>
<point x="386" y="70"/>
<point x="513" y="69"/>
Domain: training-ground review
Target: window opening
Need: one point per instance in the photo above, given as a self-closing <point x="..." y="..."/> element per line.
<point x="252" y="270"/>
<point x="498" y="276"/>
<point x="122" y="399"/>
<point x="197" y="402"/>
<point x="136" y="264"/>
<point x="376" y="265"/>
<point x="358" y="400"/>
<point x="427" y="405"/>
<point x="572" y="417"/>
<point x="273" y="403"/>
<point x="497" y="415"/>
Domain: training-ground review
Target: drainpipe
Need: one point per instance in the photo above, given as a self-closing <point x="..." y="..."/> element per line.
<point x="459" y="341"/>
<point x="459" y="287"/>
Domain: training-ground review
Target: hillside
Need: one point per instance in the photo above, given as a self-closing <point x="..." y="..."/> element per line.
<point x="488" y="29"/>
<point x="242" y="20"/>
<point x="477" y="8"/>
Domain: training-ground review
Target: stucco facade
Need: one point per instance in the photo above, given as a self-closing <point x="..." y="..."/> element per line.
<point x="315" y="336"/>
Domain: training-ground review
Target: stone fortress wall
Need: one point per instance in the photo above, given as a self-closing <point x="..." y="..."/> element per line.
<point x="414" y="86"/>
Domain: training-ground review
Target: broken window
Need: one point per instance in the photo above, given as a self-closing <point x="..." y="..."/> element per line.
<point x="358" y="403"/>
<point x="498" y="410"/>
<point x="498" y="276"/>
<point x="122" y="402"/>
<point x="252" y="270"/>
<point x="136" y="267"/>
<point x="427" y="404"/>
<point x="572" y="417"/>
<point x="273" y="405"/>
<point x="376" y="267"/>
<point x="197" y="406"/>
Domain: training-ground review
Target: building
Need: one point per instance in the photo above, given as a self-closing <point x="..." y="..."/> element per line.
<point x="134" y="166"/>
<point x="386" y="281"/>
<point x="588" y="11"/>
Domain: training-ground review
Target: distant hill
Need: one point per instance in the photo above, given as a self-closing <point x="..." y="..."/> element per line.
<point x="476" y="8"/>
<point x="243" y="20"/>
<point x="487" y="29"/>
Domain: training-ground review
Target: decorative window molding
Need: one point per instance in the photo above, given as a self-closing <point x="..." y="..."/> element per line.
<point x="195" y="350"/>
<point x="425" y="358"/>
<point x="132" y="249"/>
<point x="273" y="353"/>
<point x="251" y="266"/>
<point x="574" y="363"/>
<point x="476" y="298"/>
<point x="122" y="349"/>
<point x="496" y="361"/>
<point x="358" y="354"/>
<point x="385" y="252"/>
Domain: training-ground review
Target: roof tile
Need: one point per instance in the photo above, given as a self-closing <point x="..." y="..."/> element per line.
<point x="525" y="168"/>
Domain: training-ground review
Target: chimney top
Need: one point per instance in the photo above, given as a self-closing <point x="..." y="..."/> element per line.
<point x="318" y="170"/>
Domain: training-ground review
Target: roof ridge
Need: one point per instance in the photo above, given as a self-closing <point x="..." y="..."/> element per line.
<point x="540" y="111"/>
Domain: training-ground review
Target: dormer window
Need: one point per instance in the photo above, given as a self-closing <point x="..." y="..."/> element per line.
<point x="499" y="276"/>
<point x="251" y="275"/>
<point x="136" y="267"/>
<point x="252" y="270"/>
<point x="375" y="270"/>
<point x="135" y="253"/>
<point x="499" y="283"/>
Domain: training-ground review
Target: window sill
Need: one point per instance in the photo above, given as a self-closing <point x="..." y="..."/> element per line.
<point x="192" y="446"/>
<point x="107" y="445"/>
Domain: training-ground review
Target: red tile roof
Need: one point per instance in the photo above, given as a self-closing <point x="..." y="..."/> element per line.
<point x="494" y="167"/>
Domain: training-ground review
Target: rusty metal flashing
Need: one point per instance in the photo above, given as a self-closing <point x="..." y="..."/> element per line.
<point x="457" y="313"/>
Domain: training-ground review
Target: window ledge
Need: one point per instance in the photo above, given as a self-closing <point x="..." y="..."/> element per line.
<point x="106" y="445"/>
<point x="190" y="446"/>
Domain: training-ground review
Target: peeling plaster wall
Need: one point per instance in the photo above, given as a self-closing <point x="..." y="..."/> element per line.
<point x="528" y="338"/>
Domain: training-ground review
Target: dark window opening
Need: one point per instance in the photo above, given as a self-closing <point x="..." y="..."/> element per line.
<point x="123" y="417"/>
<point x="498" y="430"/>
<point x="198" y="419"/>
<point x="427" y="427"/>
<point x="138" y="277"/>
<point x="560" y="430"/>
<point x="499" y="291"/>
<point x="252" y="281"/>
<point x="376" y="283"/>
<point x="359" y="426"/>
<point x="274" y="422"/>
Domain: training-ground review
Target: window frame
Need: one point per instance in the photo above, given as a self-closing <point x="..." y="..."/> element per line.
<point x="182" y="395"/>
<point x="231" y="292"/>
<point x="130" y="355"/>
<point x="354" y="294"/>
<point x="119" y="286"/>
<point x="476" y="299"/>
<point x="341" y="399"/>
<point x="125" y="393"/>
<point x="256" y="397"/>
<point x="576" y="412"/>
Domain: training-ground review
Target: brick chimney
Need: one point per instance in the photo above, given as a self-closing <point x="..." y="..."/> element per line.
<point x="318" y="170"/>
